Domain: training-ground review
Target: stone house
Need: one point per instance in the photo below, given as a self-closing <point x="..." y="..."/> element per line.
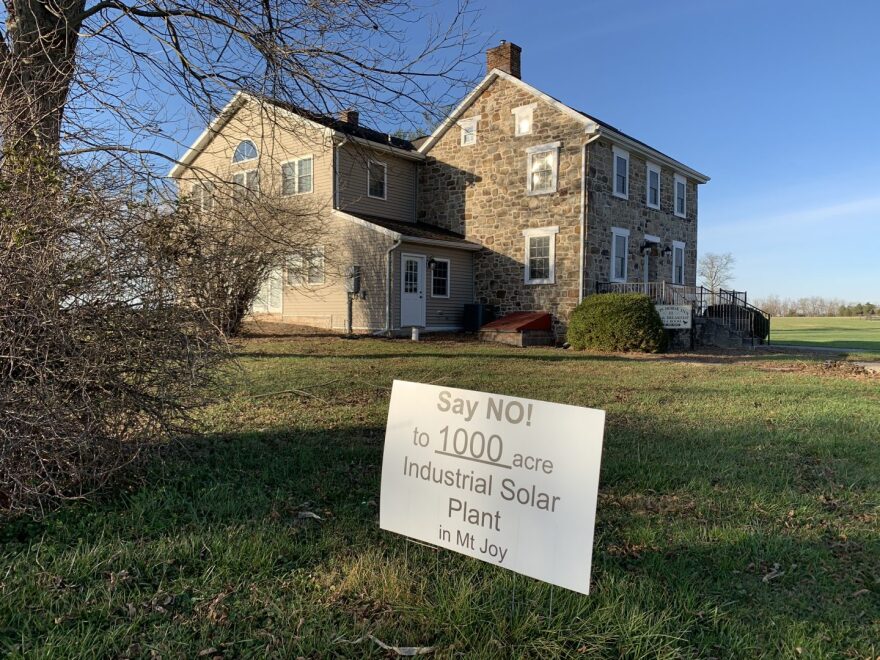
<point x="516" y="201"/>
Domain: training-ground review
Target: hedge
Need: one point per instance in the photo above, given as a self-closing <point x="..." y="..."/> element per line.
<point x="616" y="322"/>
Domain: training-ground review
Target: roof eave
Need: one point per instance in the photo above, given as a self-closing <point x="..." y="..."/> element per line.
<point x="208" y="134"/>
<point x="458" y="245"/>
<point x="655" y="155"/>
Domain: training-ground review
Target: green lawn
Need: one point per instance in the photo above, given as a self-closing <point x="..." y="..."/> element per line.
<point x="827" y="332"/>
<point x="739" y="517"/>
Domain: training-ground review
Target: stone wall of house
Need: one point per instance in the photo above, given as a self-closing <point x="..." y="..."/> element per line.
<point x="481" y="191"/>
<point x="605" y="210"/>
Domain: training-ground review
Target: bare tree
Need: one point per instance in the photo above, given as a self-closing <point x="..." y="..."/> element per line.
<point x="110" y="302"/>
<point x="716" y="270"/>
<point x="60" y="63"/>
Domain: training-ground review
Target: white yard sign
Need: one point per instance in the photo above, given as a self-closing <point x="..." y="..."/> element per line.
<point x="507" y="480"/>
<point x="675" y="317"/>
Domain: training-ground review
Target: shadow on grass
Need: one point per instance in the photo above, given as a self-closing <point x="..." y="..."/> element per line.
<point x="228" y="510"/>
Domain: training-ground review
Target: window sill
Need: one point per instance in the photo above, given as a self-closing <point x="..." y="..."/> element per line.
<point x="384" y="199"/>
<point x="544" y="281"/>
<point x="681" y="215"/>
<point x="651" y="206"/>
<point x="620" y="195"/>
<point x="533" y="193"/>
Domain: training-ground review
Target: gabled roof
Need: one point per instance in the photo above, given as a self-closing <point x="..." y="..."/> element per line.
<point x="334" y="125"/>
<point x="591" y="125"/>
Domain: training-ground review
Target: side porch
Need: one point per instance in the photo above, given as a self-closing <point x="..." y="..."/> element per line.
<point x="722" y="318"/>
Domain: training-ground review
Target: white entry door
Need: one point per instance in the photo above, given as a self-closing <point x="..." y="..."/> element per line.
<point x="412" y="290"/>
<point x="270" y="298"/>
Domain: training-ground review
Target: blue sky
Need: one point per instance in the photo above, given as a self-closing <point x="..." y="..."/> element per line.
<point x="778" y="102"/>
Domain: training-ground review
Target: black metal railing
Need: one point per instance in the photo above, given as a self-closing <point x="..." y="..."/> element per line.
<point x="727" y="307"/>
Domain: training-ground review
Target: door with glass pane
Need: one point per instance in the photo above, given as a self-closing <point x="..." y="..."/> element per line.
<point x="412" y="290"/>
<point x="270" y="298"/>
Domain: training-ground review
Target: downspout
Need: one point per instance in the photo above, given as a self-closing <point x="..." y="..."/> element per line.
<point x="388" y="282"/>
<point x="584" y="172"/>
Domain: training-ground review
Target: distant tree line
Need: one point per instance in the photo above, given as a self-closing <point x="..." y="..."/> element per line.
<point x="815" y="306"/>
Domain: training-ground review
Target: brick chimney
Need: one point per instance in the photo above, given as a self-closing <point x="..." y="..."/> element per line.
<point x="506" y="57"/>
<point x="349" y="116"/>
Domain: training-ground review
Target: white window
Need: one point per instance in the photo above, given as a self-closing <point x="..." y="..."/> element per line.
<point x="203" y="196"/>
<point x="245" y="184"/>
<point x="296" y="176"/>
<point x="619" y="254"/>
<point x="246" y="150"/>
<point x="677" y="262"/>
<point x="522" y="119"/>
<point x="307" y="268"/>
<point x="468" y="130"/>
<point x="440" y="278"/>
<point x="543" y="168"/>
<point x="621" y="172"/>
<point x="377" y="175"/>
<point x="541" y="255"/>
<point x="680" y="196"/>
<point x="315" y="265"/>
<point x="652" y="192"/>
<point x="295" y="270"/>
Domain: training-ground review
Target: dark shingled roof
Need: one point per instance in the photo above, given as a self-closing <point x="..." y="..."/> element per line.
<point x="414" y="229"/>
<point x="337" y="124"/>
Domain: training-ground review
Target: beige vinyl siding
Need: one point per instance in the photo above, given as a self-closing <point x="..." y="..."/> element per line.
<point x="400" y="190"/>
<point x="439" y="312"/>
<point x="279" y="137"/>
<point x="324" y="305"/>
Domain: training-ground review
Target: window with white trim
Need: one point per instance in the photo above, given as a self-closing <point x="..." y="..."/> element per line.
<point x="678" y="262"/>
<point x="307" y="268"/>
<point x="652" y="188"/>
<point x="296" y="176"/>
<point x="619" y="254"/>
<point x="245" y="184"/>
<point x="522" y="119"/>
<point x="315" y="265"/>
<point x="621" y="172"/>
<point x="440" y="278"/>
<point x="377" y="179"/>
<point x="203" y="196"/>
<point x="540" y="255"/>
<point x="246" y="150"/>
<point x="543" y="163"/>
<point x="468" y="131"/>
<point x="680" y="190"/>
<point x="295" y="270"/>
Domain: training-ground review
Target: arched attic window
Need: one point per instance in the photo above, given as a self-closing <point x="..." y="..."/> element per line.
<point x="246" y="150"/>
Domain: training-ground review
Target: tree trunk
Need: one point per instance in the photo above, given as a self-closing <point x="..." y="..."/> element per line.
<point x="38" y="64"/>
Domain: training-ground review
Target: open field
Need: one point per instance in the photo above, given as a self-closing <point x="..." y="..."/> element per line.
<point x="739" y="516"/>
<point x="827" y="332"/>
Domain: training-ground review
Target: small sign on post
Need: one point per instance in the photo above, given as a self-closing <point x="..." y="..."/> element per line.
<point x="510" y="481"/>
<point x="675" y="317"/>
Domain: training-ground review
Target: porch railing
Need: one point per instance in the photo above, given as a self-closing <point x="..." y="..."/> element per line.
<point x="728" y="307"/>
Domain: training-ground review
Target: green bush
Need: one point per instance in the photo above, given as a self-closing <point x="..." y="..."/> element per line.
<point x="616" y="322"/>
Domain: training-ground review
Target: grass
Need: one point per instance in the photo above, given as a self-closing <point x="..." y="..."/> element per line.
<point x="738" y="516"/>
<point x="827" y="332"/>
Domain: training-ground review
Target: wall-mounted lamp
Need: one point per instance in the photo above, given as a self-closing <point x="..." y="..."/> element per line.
<point x="431" y="263"/>
<point x="667" y="251"/>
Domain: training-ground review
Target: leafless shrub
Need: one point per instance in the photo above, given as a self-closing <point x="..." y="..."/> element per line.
<point x="99" y="356"/>
<point x="224" y="248"/>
